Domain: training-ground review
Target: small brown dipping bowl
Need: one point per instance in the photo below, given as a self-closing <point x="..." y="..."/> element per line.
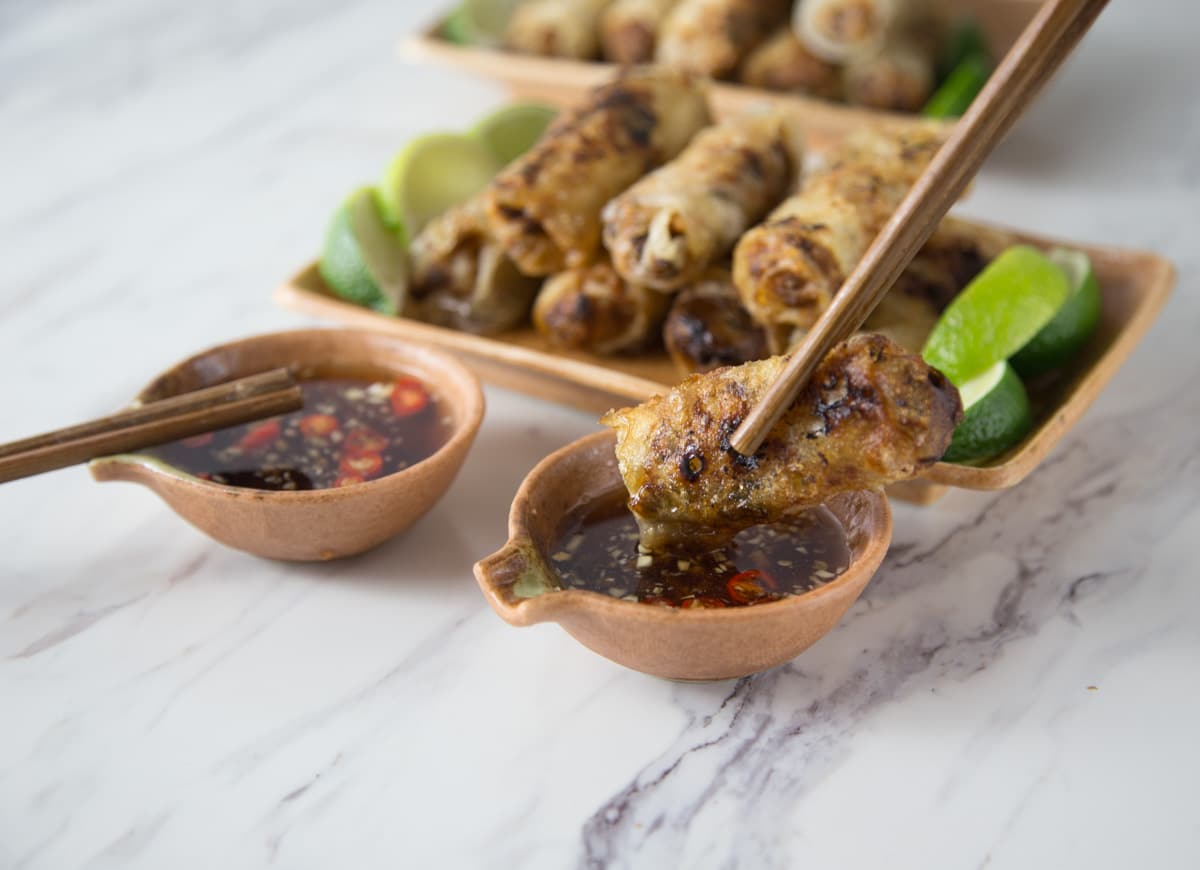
<point x="678" y="644"/>
<point x="315" y="524"/>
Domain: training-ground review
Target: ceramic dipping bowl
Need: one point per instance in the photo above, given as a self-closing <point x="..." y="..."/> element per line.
<point x="699" y="644"/>
<point x="318" y="524"/>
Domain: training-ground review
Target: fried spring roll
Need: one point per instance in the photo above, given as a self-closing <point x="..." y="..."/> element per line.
<point x="871" y="415"/>
<point x="629" y="29"/>
<point x="707" y="327"/>
<point x="556" y="28"/>
<point x="840" y="30"/>
<point x="670" y="226"/>
<point x="784" y="63"/>
<point x="593" y="308"/>
<point x="899" y="78"/>
<point x="788" y="268"/>
<point x="461" y="278"/>
<point x="544" y="208"/>
<point x="711" y="37"/>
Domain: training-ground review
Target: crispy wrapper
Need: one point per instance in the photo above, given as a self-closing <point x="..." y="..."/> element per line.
<point x="462" y="279"/>
<point x="593" y="308"/>
<point x="673" y="224"/>
<point x="711" y="37"/>
<point x="544" y="207"/>
<point x="788" y="268"/>
<point x="629" y="29"/>
<point x="871" y="415"/>
<point x="707" y="327"/>
<point x="841" y="30"/>
<point x="784" y="63"/>
<point x="556" y="28"/>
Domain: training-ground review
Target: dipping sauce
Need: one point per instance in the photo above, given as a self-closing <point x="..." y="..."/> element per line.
<point x="599" y="551"/>
<point x="348" y="431"/>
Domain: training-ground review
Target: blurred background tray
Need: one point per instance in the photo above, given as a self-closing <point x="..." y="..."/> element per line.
<point x="1134" y="285"/>
<point x="560" y="81"/>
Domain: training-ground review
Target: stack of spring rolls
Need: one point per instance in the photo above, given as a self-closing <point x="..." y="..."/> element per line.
<point x="636" y="223"/>
<point x="875" y="53"/>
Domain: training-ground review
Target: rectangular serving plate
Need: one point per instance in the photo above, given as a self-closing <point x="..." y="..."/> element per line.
<point x="1134" y="285"/>
<point x="560" y="81"/>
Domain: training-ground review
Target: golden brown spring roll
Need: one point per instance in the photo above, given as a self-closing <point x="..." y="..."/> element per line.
<point x="899" y="78"/>
<point x="462" y="279"/>
<point x="840" y="30"/>
<point x="711" y="37"/>
<point x="629" y="29"/>
<point x="788" y="268"/>
<point x="707" y="327"/>
<point x="784" y="63"/>
<point x="556" y="28"/>
<point x="871" y="415"/>
<point x="593" y="308"/>
<point x="544" y="207"/>
<point x="673" y="224"/>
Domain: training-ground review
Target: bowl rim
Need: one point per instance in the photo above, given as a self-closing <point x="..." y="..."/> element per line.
<point x="545" y="606"/>
<point x="469" y="404"/>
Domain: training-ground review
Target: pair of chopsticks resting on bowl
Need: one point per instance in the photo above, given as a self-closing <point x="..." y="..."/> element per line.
<point x="251" y="398"/>
<point x="1043" y="45"/>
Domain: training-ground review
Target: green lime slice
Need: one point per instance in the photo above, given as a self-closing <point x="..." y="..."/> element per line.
<point x="511" y="131"/>
<point x="365" y="259"/>
<point x="432" y="173"/>
<point x="955" y="94"/>
<point x="996" y="416"/>
<point x="488" y="19"/>
<point x="1065" y="335"/>
<point x="1006" y="305"/>
<point x="456" y="28"/>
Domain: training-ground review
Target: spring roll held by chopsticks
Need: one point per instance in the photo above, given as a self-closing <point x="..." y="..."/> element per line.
<point x="711" y="37"/>
<point x="462" y="279"/>
<point x="593" y="308"/>
<point x="556" y="28"/>
<point x="670" y="226"/>
<point x="788" y="268"/>
<point x="629" y="29"/>
<point x="544" y="207"/>
<point x="872" y="414"/>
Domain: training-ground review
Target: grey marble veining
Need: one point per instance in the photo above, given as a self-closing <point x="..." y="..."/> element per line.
<point x="1015" y="689"/>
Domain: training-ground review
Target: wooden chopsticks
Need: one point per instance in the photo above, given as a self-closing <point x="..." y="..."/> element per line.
<point x="240" y="401"/>
<point x="1041" y="48"/>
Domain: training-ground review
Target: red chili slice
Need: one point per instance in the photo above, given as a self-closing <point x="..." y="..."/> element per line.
<point x="362" y="464"/>
<point x="701" y="602"/>
<point x="749" y="587"/>
<point x="408" y="397"/>
<point x="318" y="425"/>
<point x="200" y="440"/>
<point x="347" y="480"/>
<point x="364" y="439"/>
<point x="260" y="435"/>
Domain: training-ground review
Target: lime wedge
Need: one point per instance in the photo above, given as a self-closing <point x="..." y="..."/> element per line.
<point x="455" y="28"/>
<point x="996" y="416"/>
<point x="365" y="259"/>
<point x="955" y="94"/>
<point x="431" y="174"/>
<point x="487" y="19"/>
<point x="1065" y="335"/>
<point x="1006" y="305"/>
<point x="511" y="131"/>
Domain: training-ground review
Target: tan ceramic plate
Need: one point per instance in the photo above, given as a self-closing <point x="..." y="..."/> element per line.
<point x="520" y="584"/>
<point x="315" y="524"/>
<point x="1134" y="285"/>
<point x="562" y="81"/>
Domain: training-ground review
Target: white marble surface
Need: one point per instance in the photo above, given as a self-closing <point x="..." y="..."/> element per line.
<point x="165" y="702"/>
